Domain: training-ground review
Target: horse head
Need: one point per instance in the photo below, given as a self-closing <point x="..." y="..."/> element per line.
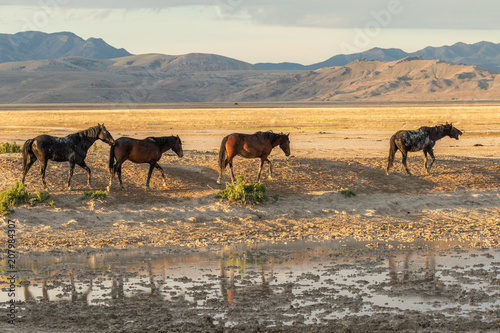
<point x="104" y="135"/>
<point x="452" y="131"/>
<point x="285" y="143"/>
<point x="177" y="147"/>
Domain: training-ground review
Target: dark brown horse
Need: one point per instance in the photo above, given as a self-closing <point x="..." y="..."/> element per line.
<point x="423" y="139"/>
<point x="148" y="150"/>
<point x="255" y="145"/>
<point x="72" y="148"/>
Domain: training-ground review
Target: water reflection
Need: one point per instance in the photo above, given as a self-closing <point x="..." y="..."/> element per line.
<point x="234" y="292"/>
<point x="305" y="282"/>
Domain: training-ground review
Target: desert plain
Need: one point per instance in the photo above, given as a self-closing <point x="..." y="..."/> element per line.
<point x="333" y="147"/>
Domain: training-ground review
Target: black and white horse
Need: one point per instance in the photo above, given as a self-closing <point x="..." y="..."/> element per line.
<point x="423" y="139"/>
<point x="72" y="148"/>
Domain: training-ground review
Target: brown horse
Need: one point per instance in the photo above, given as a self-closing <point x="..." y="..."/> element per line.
<point x="255" y="145"/>
<point x="148" y="150"/>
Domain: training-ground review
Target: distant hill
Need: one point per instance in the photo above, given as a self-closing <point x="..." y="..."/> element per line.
<point x="409" y="79"/>
<point x="152" y="78"/>
<point x="482" y="54"/>
<point x="69" y="69"/>
<point x="192" y="62"/>
<point x="35" y="45"/>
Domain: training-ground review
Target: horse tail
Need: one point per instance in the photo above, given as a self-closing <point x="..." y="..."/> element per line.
<point x="112" y="159"/>
<point x="28" y="157"/>
<point x="222" y="154"/>
<point x="27" y="153"/>
<point x="392" y="151"/>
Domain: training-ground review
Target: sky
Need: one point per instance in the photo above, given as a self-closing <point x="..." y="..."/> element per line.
<point x="302" y="31"/>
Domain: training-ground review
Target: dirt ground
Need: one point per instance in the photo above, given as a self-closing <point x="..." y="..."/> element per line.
<point x="458" y="201"/>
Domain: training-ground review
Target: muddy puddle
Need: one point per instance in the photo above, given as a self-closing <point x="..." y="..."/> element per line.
<point x="272" y="284"/>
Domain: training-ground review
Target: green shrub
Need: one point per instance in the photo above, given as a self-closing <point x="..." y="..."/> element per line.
<point x="90" y="195"/>
<point x="245" y="193"/>
<point x="347" y="193"/>
<point x="15" y="196"/>
<point x="5" y="209"/>
<point x="7" y="148"/>
<point x="18" y="195"/>
<point x="40" y="196"/>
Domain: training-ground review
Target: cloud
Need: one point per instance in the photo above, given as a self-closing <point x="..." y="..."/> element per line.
<point x="399" y="14"/>
<point x="339" y="14"/>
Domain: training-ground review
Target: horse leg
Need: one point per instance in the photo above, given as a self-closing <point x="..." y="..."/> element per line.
<point x="111" y="176"/>
<point x="405" y="155"/>
<point x="162" y="174"/>
<point x="431" y="152"/>
<point x="151" y="167"/>
<point x="118" y="170"/>
<point x="270" y="169"/>
<point x="425" y="161"/>
<point x="222" y="168"/>
<point x="233" y="178"/>
<point x="43" y="167"/>
<point x="71" y="169"/>
<point x="86" y="168"/>
<point x="260" y="170"/>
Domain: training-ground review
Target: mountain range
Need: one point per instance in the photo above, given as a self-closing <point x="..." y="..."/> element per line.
<point x="482" y="54"/>
<point x="63" y="68"/>
<point x="35" y="45"/>
<point x="408" y="79"/>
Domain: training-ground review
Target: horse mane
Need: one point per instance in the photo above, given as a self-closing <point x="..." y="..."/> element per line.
<point x="269" y="135"/>
<point x="163" y="140"/>
<point x="92" y="132"/>
<point x="436" y="131"/>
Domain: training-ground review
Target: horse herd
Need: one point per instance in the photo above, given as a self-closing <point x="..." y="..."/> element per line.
<point x="74" y="147"/>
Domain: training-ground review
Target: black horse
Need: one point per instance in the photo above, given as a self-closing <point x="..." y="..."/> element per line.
<point x="72" y="148"/>
<point x="148" y="150"/>
<point x="423" y="139"/>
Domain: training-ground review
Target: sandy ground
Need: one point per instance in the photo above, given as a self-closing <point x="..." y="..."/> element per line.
<point x="458" y="201"/>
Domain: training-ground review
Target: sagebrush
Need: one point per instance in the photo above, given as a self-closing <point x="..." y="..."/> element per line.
<point x="97" y="195"/>
<point x="18" y="195"/>
<point x="347" y="192"/>
<point x="7" y="148"/>
<point x="244" y="193"/>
